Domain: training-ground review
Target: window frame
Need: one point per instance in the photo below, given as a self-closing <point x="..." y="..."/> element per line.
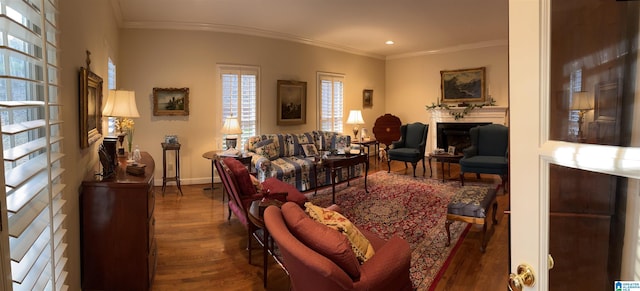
<point x="338" y="121"/>
<point x="238" y="70"/>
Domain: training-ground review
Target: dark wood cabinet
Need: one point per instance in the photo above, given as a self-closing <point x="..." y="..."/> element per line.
<point x="117" y="230"/>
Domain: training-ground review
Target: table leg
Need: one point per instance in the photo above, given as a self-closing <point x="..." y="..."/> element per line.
<point x="442" y="168"/>
<point x="333" y="185"/>
<point x="265" y="249"/>
<point x="315" y="176"/>
<point x="366" y="170"/>
<point x="430" y="168"/>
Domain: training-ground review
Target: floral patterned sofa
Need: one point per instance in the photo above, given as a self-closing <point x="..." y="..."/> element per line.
<point x="283" y="156"/>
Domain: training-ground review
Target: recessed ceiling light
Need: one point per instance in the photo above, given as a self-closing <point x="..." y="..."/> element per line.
<point x="389" y="42"/>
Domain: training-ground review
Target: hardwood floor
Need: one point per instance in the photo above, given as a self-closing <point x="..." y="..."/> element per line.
<point x="198" y="249"/>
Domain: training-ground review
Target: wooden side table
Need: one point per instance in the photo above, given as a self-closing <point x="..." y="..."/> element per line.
<point x="256" y="211"/>
<point x="444" y="158"/>
<point x="215" y="155"/>
<point x="368" y="144"/>
<point x="170" y="147"/>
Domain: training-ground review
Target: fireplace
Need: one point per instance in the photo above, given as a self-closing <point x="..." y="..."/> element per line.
<point x="484" y="115"/>
<point x="455" y="134"/>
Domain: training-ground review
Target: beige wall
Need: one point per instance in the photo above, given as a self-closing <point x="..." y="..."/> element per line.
<point x="84" y="25"/>
<point x="171" y="58"/>
<point x="167" y="58"/>
<point x="414" y="82"/>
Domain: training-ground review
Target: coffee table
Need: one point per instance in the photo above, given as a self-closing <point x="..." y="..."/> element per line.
<point x="444" y="158"/>
<point x="334" y="163"/>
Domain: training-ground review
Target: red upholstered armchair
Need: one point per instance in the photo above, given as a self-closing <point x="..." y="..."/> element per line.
<point x="242" y="191"/>
<point x="320" y="258"/>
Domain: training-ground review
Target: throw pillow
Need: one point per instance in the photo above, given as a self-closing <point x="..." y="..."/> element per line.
<point x="241" y="175"/>
<point x="359" y="243"/>
<point x="309" y="150"/>
<point x="324" y="240"/>
<point x="267" y="148"/>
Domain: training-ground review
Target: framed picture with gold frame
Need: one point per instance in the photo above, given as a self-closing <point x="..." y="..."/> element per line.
<point x="90" y="107"/>
<point x="466" y="85"/>
<point x="367" y="98"/>
<point x="170" y="101"/>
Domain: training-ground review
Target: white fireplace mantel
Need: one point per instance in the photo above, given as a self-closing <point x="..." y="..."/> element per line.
<point x="491" y="114"/>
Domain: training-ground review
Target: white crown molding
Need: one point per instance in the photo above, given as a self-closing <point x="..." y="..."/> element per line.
<point x="462" y="47"/>
<point x="245" y="31"/>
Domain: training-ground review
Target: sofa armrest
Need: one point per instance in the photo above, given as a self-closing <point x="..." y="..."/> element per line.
<point x="261" y="165"/>
<point x="389" y="268"/>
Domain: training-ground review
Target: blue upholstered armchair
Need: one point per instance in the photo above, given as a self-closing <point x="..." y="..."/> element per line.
<point x="488" y="153"/>
<point x="410" y="147"/>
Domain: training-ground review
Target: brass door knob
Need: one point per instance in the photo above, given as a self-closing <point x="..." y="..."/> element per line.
<point x="524" y="277"/>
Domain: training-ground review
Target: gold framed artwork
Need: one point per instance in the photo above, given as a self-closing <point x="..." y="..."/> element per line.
<point x="170" y="101"/>
<point x="367" y="98"/>
<point x="466" y="85"/>
<point x="292" y="102"/>
<point x="90" y="107"/>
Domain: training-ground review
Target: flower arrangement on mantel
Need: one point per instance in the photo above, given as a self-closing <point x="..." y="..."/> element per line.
<point x="457" y="114"/>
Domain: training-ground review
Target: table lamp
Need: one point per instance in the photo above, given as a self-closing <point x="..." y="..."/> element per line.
<point x="121" y="104"/>
<point x="355" y="118"/>
<point x="581" y="101"/>
<point x="231" y="129"/>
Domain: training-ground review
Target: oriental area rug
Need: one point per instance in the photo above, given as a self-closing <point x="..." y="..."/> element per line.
<point x="412" y="208"/>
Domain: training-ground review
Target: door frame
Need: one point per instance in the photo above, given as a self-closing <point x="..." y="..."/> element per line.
<point x="529" y="51"/>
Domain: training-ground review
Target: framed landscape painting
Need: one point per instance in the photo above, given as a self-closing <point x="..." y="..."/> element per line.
<point x="170" y="101"/>
<point x="466" y="85"/>
<point x="292" y="102"/>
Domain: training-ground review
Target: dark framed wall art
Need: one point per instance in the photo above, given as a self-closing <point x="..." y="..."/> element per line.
<point x="466" y="85"/>
<point x="367" y="98"/>
<point x="90" y="107"/>
<point x="292" y="102"/>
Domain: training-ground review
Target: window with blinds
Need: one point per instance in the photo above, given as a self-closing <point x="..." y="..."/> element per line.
<point x="331" y="101"/>
<point x="239" y="92"/>
<point x="33" y="245"/>
<point x="111" y="84"/>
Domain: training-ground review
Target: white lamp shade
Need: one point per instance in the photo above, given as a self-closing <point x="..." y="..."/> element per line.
<point x="121" y="103"/>
<point x="231" y="126"/>
<point x="355" y="117"/>
<point x="581" y="101"/>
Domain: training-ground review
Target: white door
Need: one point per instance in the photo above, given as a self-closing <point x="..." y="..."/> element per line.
<point x="542" y="144"/>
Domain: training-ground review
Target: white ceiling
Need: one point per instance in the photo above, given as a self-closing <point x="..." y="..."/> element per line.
<point x="357" y="26"/>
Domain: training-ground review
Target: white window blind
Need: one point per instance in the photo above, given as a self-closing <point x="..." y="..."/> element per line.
<point x="111" y="83"/>
<point x="33" y="246"/>
<point x="239" y="96"/>
<point x="331" y="101"/>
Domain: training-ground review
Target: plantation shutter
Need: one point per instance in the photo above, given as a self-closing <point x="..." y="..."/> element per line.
<point x="331" y="101"/>
<point x="32" y="203"/>
<point x="239" y="86"/>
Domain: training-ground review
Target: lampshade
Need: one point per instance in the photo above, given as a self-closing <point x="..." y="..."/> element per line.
<point x="355" y="117"/>
<point x="121" y="103"/>
<point x="231" y="126"/>
<point x="581" y="101"/>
